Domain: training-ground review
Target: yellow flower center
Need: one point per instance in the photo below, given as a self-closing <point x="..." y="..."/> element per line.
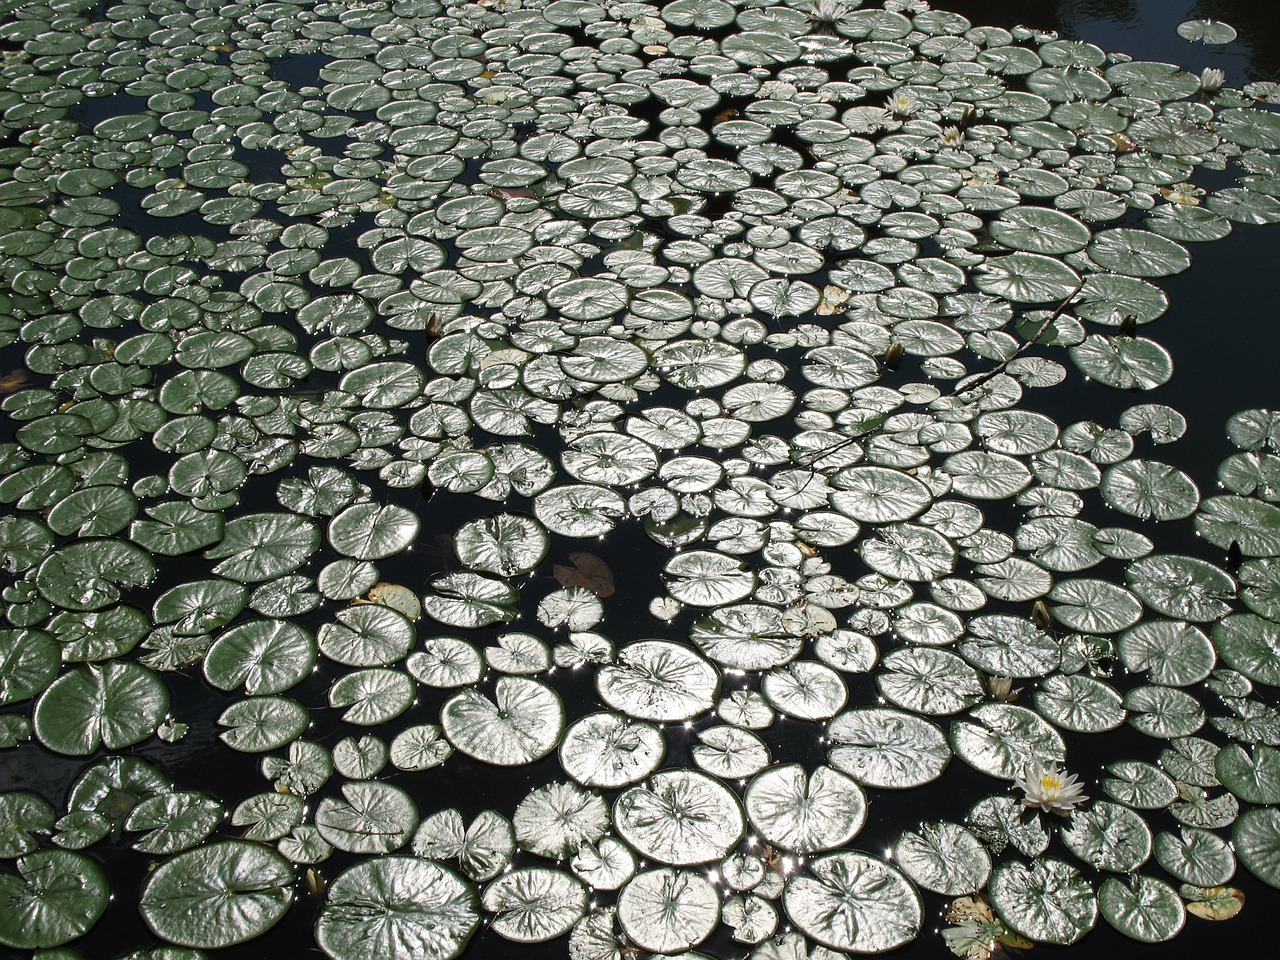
<point x="1050" y="783"/>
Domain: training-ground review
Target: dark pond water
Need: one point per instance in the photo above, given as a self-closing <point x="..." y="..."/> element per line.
<point x="1223" y="334"/>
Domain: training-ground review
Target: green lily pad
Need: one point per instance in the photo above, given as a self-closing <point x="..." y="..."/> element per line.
<point x="1144" y="909"/>
<point x="218" y="895"/>
<point x="56" y="896"/>
<point x="114" y="705"/>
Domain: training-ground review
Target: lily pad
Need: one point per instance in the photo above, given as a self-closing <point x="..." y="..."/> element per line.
<point x="1049" y="901"/>
<point x="855" y="902"/>
<point x="218" y="895"/>
<point x="680" y="817"/>
<point x="397" y="903"/>
<point x="1144" y="909"/>
<point x="521" y="724"/>
<point x="114" y="705"/>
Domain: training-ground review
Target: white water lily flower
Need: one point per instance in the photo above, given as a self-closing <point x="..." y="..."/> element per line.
<point x="1211" y="80"/>
<point x="1049" y="788"/>
<point x="825" y="14"/>
<point x="902" y="104"/>
<point x="952" y="136"/>
<point x="1001" y="688"/>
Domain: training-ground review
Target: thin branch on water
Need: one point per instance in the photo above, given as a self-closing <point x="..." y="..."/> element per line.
<point x="963" y="387"/>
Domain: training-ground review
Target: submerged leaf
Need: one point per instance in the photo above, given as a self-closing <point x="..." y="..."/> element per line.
<point x="585" y="570"/>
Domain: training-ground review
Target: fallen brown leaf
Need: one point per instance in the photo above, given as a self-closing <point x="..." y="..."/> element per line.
<point x="587" y="571"/>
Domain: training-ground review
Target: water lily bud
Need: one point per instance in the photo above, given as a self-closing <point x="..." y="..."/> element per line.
<point x="893" y="355"/>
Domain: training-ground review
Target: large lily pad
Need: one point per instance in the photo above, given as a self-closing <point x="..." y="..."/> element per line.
<point x="217" y="895"/>
<point x="56" y="896"/>
<point x="521" y="724"/>
<point x="1049" y="901"/>
<point x="855" y="902"/>
<point x="397" y="903"/>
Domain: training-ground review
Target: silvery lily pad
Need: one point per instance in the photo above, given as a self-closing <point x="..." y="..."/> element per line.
<point x="1144" y="909"/>
<point x="579" y="510"/>
<point x="1251" y="645"/>
<point x="368" y="531"/>
<point x="505" y="544"/>
<point x="730" y="753"/>
<point x="805" y="689"/>
<point x="1164" y="711"/>
<point x="1001" y="739"/>
<point x="1094" y="606"/>
<point x="680" y="817"/>
<point x="553" y="821"/>
<point x="535" y="904"/>
<point x="928" y="681"/>
<point x="706" y="579"/>
<point x="372" y="817"/>
<point x="521" y="724"/>
<point x="854" y="901"/>
<point x="880" y="747"/>
<point x="487" y="846"/>
<point x="606" y="865"/>
<point x="667" y="910"/>
<point x="394" y="903"/>
<point x="88" y="574"/>
<point x="1251" y="524"/>
<point x="1206" y="31"/>
<point x="446" y="662"/>
<point x="943" y="858"/>
<point x="1125" y="363"/>
<point x="1150" y="490"/>
<point x="878" y="494"/>
<point x="24" y="815"/>
<point x="1252" y="775"/>
<point x="657" y="680"/>
<point x="1195" y="856"/>
<point x="366" y="635"/>
<point x="746" y="636"/>
<point x="1001" y="821"/>
<point x="1108" y="836"/>
<point x="1050" y="901"/>
<point x="1079" y="703"/>
<point x="470" y="600"/>
<point x="805" y="814"/>
<point x="1139" y="785"/>
<point x="1006" y="646"/>
<point x="1256" y="838"/>
<point x="607" y="750"/>
<point x="1172" y="653"/>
